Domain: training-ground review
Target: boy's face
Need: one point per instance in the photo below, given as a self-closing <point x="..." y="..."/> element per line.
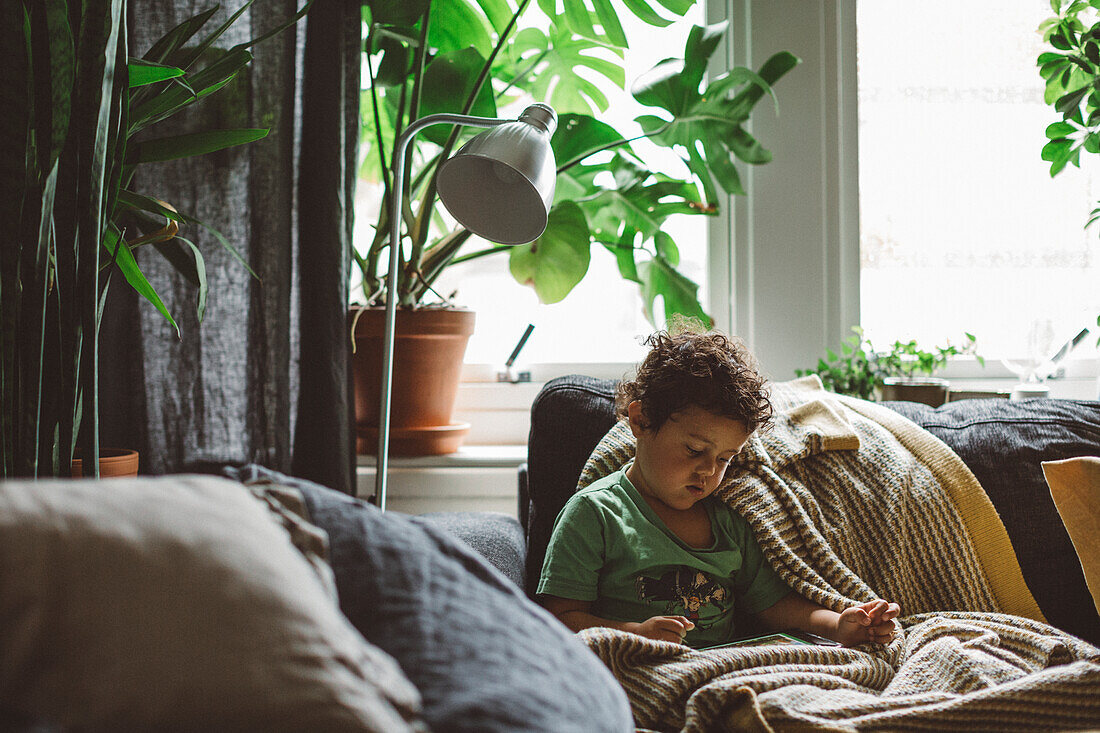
<point x="684" y="460"/>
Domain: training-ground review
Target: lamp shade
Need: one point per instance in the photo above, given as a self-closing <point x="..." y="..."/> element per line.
<point x="500" y="185"/>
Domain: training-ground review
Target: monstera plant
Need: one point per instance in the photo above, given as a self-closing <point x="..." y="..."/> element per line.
<point x="469" y="57"/>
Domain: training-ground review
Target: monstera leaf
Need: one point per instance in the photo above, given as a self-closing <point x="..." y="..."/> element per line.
<point x="555" y="262"/>
<point x="546" y="64"/>
<point x="713" y="118"/>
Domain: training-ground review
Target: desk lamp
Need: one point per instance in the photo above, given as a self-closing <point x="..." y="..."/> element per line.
<point x="499" y="185"/>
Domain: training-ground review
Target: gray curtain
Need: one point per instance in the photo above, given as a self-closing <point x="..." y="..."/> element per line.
<point x="264" y="377"/>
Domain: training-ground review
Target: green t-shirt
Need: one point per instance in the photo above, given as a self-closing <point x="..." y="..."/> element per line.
<point x="609" y="547"/>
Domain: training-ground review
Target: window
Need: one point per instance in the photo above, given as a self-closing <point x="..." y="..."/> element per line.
<point x="961" y="226"/>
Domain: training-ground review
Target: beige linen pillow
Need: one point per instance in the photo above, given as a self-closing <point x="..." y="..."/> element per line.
<point x="1075" y="487"/>
<point x="177" y="604"/>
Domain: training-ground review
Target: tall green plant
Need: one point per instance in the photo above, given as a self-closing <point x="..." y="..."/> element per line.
<point x="79" y="118"/>
<point x="427" y="56"/>
<point x="1072" y="74"/>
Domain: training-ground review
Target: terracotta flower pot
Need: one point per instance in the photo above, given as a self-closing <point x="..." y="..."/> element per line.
<point x="429" y="347"/>
<point x="113" y="463"/>
<point x="927" y="390"/>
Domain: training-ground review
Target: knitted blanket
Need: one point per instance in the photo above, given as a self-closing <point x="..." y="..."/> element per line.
<point x="850" y="502"/>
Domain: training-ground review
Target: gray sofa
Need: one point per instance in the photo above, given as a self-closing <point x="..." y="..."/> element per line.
<point x="1002" y="442"/>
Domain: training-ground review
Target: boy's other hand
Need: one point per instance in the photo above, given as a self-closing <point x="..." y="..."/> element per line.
<point x="872" y="621"/>
<point x="663" y="628"/>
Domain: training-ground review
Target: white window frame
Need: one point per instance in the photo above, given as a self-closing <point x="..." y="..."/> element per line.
<point x="783" y="265"/>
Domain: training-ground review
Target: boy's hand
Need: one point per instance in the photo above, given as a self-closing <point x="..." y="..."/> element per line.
<point x="663" y="628"/>
<point x="868" y="622"/>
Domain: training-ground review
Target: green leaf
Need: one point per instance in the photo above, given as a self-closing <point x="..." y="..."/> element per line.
<point x="554" y="79"/>
<point x="666" y="248"/>
<point x="186" y="258"/>
<point x="680" y="295"/>
<point x="576" y="15"/>
<point x="1059" y="41"/>
<point x="54" y="69"/>
<point x="448" y="81"/>
<point x="133" y="274"/>
<point x="609" y="19"/>
<point x="555" y="262"/>
<point x="578" y="136"/>
<point x="188" y="89"/>
<point x="186" y="146"/>
<point x="178" y="36"/>
<point x="712" y="118"/>
<point x="456" y="25"/>
<point x="1059" y="129"/>
<point x="141" y="72"/>
<point x="397" y="12"/>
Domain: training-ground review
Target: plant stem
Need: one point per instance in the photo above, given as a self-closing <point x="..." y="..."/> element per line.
<point x="377" y="120"/>
<point x="429" y="192"/>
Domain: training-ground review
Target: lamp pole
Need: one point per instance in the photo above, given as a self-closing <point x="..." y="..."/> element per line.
<point x="399" y="152"/>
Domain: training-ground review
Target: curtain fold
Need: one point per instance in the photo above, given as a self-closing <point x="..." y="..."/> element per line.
<point x="264" y="377"/>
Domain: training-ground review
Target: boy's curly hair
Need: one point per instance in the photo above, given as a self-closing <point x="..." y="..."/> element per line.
<point x="710" y="370"/>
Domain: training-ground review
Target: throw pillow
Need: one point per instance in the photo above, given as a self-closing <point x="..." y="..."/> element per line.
<point x="484" y="657"/>
<point x="1075" y="486"/>
<point x="176" y="604"/>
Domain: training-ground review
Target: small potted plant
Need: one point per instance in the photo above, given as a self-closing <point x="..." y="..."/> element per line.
<point x="861" y="371"/>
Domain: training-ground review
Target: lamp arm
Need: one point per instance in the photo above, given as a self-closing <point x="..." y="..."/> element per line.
<point x="397" y="191"/>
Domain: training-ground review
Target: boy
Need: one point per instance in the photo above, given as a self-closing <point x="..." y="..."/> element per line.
<point x="648" y="550"/>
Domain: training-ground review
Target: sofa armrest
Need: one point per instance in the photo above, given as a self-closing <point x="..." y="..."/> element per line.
<point x="495" y="536"/>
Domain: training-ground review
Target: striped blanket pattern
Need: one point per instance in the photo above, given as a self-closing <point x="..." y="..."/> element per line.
<point x="849" y="502"/>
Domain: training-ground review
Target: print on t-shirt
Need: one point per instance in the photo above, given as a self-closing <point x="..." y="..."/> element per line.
<point x="685" y="591"/>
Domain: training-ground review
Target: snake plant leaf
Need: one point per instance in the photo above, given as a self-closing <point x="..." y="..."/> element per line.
<point x="196" y="143"/>
<point x="448" y="81"/>
<point x="178" y="36"/>
<point x="188" y="89"/>
<point x="458" y="24"/>
<point x="141" y="72"/>
<point x="679" y="295"/>
<point x="53" y="66"/>
<point x="555" y="262"/>
<point x="117" y="250"/>
<point x="186" y="258"/>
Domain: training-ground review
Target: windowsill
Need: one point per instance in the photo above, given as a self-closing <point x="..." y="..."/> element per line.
<point x="467" y="456"/>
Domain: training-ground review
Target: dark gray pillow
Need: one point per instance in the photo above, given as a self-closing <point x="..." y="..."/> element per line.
<point x="483" y="656"/>
<point x="1004" y="442"/>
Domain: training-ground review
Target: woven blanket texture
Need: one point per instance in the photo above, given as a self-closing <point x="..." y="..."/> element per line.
<point x="850" y="502"/>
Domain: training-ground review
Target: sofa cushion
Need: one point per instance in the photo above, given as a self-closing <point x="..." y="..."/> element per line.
<point x="568" y="418"/>
<point x="483" y="656"/>
<point x="1075" y="487"/>
<point x="176" y="604"/>
<point x="1004" y="443"/>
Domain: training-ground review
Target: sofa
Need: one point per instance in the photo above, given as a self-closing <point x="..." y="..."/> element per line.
<point x="1003" y="442"/>
<point x="960" y="670"/>
<point x="258" y="601"/>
